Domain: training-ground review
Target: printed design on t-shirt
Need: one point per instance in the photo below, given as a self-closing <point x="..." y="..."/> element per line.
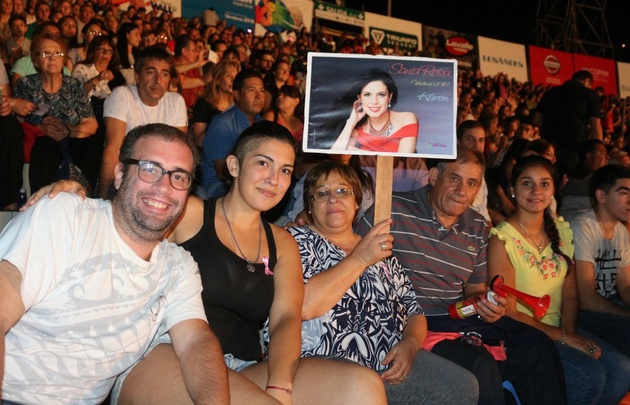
<point x="606" y="267"/>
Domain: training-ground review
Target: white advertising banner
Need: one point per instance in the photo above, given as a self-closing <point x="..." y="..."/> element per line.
<point x="623" y="71"/>
<point x="389" y="32"/>
<point x="502" y="57"/>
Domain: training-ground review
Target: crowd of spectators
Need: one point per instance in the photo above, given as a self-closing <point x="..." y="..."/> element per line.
<point x="504" y="106"/>
<point x="77" y="77"/>
<point x="501" y="104"/>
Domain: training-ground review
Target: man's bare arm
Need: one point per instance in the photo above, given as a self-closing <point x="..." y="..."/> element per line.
<point x="201" y="361"/>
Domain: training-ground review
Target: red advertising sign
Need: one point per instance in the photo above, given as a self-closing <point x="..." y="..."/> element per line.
<point x="603" y="71"/>
<point x="549" y="67"/>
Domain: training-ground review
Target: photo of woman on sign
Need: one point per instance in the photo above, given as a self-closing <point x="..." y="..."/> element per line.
<point x="366" y="120"/>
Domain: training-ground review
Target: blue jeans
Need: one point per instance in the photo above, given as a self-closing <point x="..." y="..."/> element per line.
<point x="590" y="381"/>
<point x="8" y="403"/>
<point x="614" y="329"/>
<point x="432" y="380"/>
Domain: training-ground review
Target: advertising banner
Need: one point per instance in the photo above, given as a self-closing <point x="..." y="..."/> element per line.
<point x="376" y="105"/>
<point x="329" y="11"/>
<point x="286" y="15"/>
<point x="502" y="57"/>
<point x="405" y="36"/>
<point x="241" y="13"/>
<point x="446" y="44"/>
<point x="623" y="69"/>
<point x="603" y="71"/>
<point x="549" y="67"/>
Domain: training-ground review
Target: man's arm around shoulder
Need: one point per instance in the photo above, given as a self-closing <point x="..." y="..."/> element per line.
<point x="201" y="360"/>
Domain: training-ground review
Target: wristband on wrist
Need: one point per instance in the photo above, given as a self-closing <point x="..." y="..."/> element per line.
<point x="564" y="334"/>
<point x="275" y="387"/>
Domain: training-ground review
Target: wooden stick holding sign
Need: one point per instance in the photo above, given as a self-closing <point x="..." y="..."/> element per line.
<point x="383" y="189"/>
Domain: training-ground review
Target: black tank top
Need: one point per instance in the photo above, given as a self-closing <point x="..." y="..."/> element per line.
<point x="237" y="302"/>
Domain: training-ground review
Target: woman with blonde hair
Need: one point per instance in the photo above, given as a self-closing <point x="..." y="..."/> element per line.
<point x="216" y="98"/>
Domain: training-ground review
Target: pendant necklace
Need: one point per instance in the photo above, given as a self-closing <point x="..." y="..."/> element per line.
<point x="538" y="245"/>
<point x="250" y="264"/>
<point x="385" y="131"/>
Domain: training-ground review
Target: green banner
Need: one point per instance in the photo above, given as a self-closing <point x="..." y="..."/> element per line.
<point x="343" y="15"/>
<point x="390" y="39"/>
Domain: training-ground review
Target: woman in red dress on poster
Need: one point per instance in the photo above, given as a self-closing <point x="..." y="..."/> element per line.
<point x="372" y="124"/>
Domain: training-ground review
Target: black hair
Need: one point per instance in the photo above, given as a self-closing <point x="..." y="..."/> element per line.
<point x="259" y="132"/>
<point x="588" y="146"/>
<point x="582" y="75"/>
<point x="239" y="80"/>
<point x="181" y="42"/>
<point x="95" y="44"/>
<point x="604" y="179"/>
<point x="156" y="52"/>
<point x="548" y="222"/>
<point x="122" y="43"/>
<point x="332" y="121"/>
<point x="466" y="125"/>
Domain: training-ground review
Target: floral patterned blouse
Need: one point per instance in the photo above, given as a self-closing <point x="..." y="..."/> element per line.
<point x="538" y="273"/>
<point x="369" y="319"/>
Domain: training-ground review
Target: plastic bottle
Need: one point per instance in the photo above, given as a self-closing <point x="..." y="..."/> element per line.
<point x="468" y="307"/>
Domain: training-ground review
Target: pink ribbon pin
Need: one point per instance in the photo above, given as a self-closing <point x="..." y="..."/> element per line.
<point x="268" y="271"/>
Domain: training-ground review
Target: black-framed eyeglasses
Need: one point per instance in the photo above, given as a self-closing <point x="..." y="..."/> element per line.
<point x="324" y="195"/>
<point x="152" y="172"/>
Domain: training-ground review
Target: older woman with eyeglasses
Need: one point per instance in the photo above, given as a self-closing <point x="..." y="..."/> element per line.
<point x="64" y="118"/>
<point x="358" y="303"/>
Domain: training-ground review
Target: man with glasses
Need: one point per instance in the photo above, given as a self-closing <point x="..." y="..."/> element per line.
<point x="87" y="287"/>
<point x="146" y="102"/>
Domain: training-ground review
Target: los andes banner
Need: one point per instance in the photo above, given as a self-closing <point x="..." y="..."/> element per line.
<point x="502" y="57"/>
<point x="549" y="67"/>
<point x="603" y="71"/>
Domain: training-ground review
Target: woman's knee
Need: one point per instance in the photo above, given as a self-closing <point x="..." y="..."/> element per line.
<point x="337" y="382"/>
<point x="156" y="379"/>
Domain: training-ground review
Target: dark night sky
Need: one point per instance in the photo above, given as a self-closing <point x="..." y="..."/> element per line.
<point x="513" y="21"/>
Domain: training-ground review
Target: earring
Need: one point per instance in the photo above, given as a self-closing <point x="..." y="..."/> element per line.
<point x="389" y="105"/>
<point x="513" y="195"/>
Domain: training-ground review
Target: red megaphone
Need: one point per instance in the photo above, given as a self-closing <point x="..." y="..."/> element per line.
<point x="540" y="305"/>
